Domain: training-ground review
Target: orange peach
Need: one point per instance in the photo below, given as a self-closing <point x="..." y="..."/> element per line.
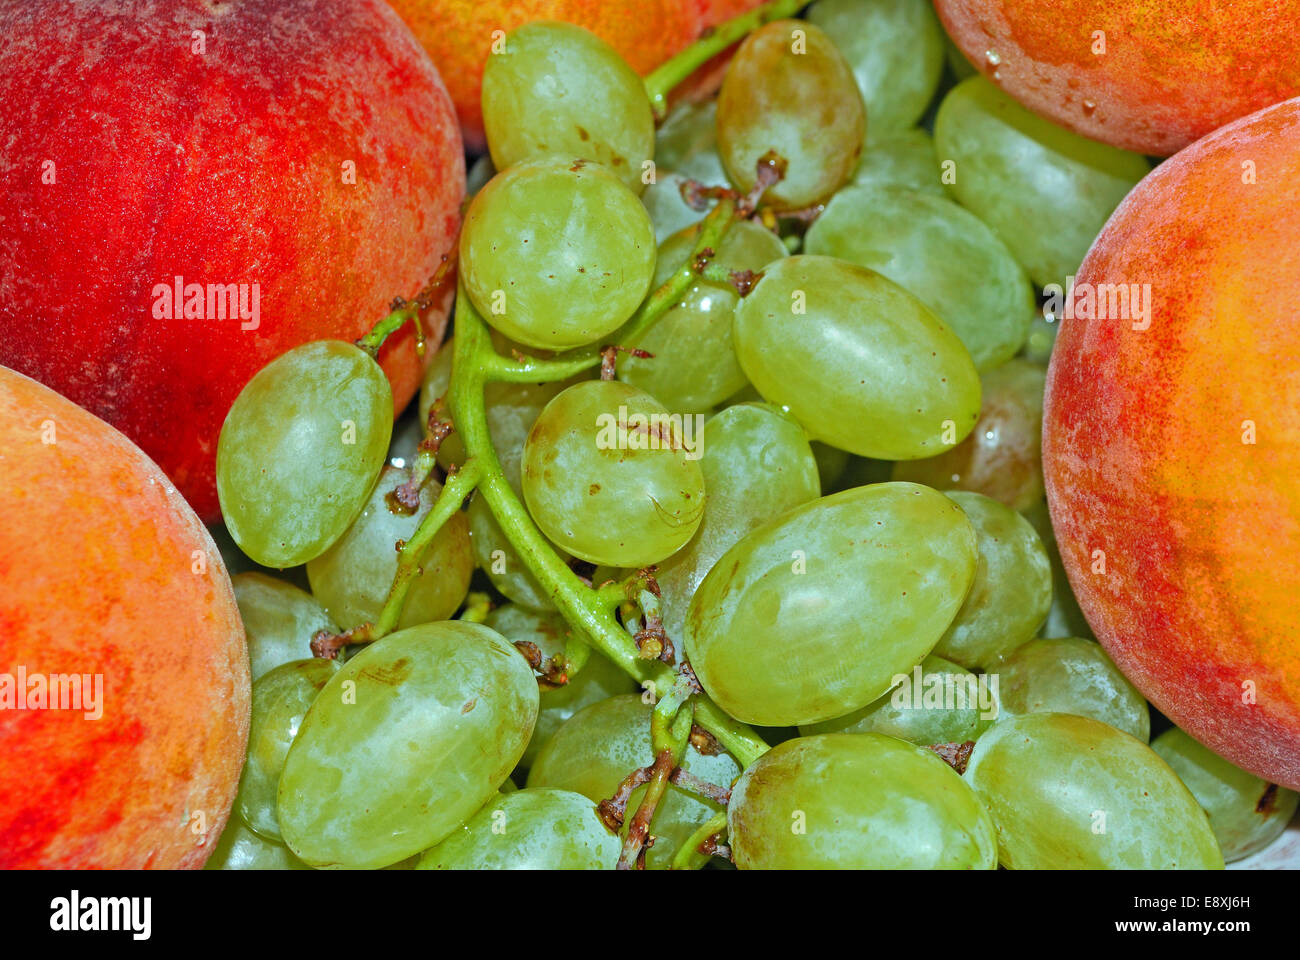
<point x="1145" y="75"/>
<point x="1171" y="440"/>
<point x="107" y="576"/>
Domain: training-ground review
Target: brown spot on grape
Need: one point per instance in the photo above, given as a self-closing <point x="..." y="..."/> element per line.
<point x="393" y="674"/>
<point x="1267" y="801"/>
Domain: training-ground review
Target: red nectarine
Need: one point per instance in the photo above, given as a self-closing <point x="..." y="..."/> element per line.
<point x="290" y="165"/>
<point x="1145" y="75"/>
<point x="115" y="609"/>
<point x="1171" y="442"/>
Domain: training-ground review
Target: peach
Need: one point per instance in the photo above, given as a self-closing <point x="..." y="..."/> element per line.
<point x="1171" y="441"/>
<point x="1145" y="75"/>
<point x="459" y="35"/>
<point x="298" y="159"/>
<point x="107" y="575"/>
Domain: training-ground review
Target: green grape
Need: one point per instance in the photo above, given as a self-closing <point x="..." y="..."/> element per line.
<point x="279" y="620"/>
<point x="895" y="48"/>
<point x="353" y="577"/>
<point x="595" y="750"/>
<point x="1045" y="191"/>
<point x="831" y="464"/>
<point x="941" y="254"/>
<point x="496" y="557"/>
<point x="435" y="385"/>
<point x="241" y="849"/>
<point x="404" y="446"/>
<point x="687" y="150"/>
<point x="281" y="699"/>
<point x="1246" y="813"/>
<point x="556" y="253"/>
<point x="611" y="477"/>
<point x="669" y="212"/>
<point x="694" y="365"/>
<point x="861" y="363"/>
<point x="687" y="143"/>
<point x="529" y="830"/>
<point x="790" y="91"/>
<point x="405" y="743"/>
<point x="301" y="448"/>
<point x="1065" y="619"/>
<point x="556" y="89"/>
<point x="938" y="702"/>
<point x="903" y="158"/>
<point x="598" y="679"/>
<point x="1002" y="457"/>
<point x="862" y="801"/>
<point x="1071" y="675"/>
<point x="1073" y="793"/>
<point x="811" y="616"/>
<point x="757" y="464"/>
<point x="1012" y="591"/>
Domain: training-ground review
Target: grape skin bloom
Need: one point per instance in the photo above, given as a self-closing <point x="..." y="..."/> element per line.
<point x="858" y="360"/>
<point x="864" y="801"/>
<point x="608" y="480"/>
<point x="300" y="449"/>
<point x="407" y="741"/>
<point x="812" y="615"/>
<point x="556" y="253"/>
<point x="532" y="829"/>
<point x="1069" y="792"/>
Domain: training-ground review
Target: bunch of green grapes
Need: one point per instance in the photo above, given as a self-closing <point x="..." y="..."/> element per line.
<point x="723" y="512"/>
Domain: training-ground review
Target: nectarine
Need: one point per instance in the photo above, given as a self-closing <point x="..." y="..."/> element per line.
<point x="192" y="188"/>
<point x="1171" y="441"/>
<point x="1145" y="75"/>
<point x="124" y="691"/>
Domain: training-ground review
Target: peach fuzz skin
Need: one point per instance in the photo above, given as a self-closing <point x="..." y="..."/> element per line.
<point x="459" y="34"/>
<point x="133" y="159"/>
<point x="1172" y="70"/>
<point x="104" y="569"/>
<point x="1146" y="443"/>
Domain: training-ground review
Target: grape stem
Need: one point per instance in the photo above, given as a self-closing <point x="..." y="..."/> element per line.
<point x="670" y="732"/>
<point x="401" y="310"/>
<point x="477" y="607"/>
<point x="524" y="369"/>
<point x="701" y="844"/>
<point x="591" y="611"/>
<point x="460" y="484"/>
<point x="672" y="73"/>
